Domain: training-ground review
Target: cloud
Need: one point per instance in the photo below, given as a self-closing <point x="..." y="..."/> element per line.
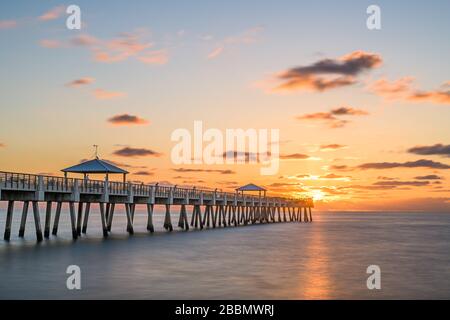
<point x="52" y="14"/>
<point x="402" y="183"/>
<point x="294" y="156"/>
<point x="50" y="44"/>
<point x="340" y="167"/>
<point x="247" y="37"/>
<point x="84" y="40"/>
<point x="121" y="164"/>
<point x="127" y="119"/>
<point x="403" y="89"/>
<point x="385" y="178"/>
<point x="80" y="82"/>
<point x="157" y="57"/>
<point x="428" y="177"/>
<point x="2" y="145"/>
<point x="331" y="147"/>
<point x="332" y="118"/>
<point x="437" y="96"/>
<point x="215" y="53"/>
<point x="391" y="89"/>
<point x="298" y="156"/>
<point x="332" y="176"/>
<point x="136" y="152"/>
<point x="327" y="73"/>
<point x="143" y="173"/>
<point x="329" y="176"/>
<point x="126" y="45"/>
<point x="246" y="156"/>
<point x="437" y="149"/>
<point x="422" y="163"/>
<point x="106" y="95"/>
<point x="7" y="24"/>
<point x="184" y="170"/>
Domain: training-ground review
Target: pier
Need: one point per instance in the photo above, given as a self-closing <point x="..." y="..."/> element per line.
<point x="208" y="208"/>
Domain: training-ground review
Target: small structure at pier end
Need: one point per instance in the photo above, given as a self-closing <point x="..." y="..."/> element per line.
<point x="210" y="208"/>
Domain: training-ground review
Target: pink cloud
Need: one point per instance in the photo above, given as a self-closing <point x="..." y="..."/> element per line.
<point x="52" y="14"/>
<point x="7" y="24"/>
<point x="121" y="48"/>
<point x="50" y="44"/>
<point x="84" y="40"/>
<point x="157" y="57"/>
<point x="403" y="89"/>
<point x="101" y="94"/>
<point x="247" y="37"/>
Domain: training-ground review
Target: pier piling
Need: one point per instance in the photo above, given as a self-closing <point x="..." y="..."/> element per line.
<point x="86" y="217"/>
<point x="56" y="221"/>
<point x="167" y="219"/>
<point x="9" y="216"/>
<point x="23" y="220"/>
<point x="103" y="219"/>
<point x="79" y="218"/>
<point x="37" y="221"/>
<point x="48" y="218"/>
<point x="130" y="229"/>
<point x="110" y="216"/>
<point x="73" y="220"/>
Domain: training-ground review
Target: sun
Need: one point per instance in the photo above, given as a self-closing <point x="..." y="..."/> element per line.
<point x="317" y="195"/>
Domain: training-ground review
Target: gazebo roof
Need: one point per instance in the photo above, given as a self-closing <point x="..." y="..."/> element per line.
<point x="94" y="166"/>
<point x="250" y="187"/>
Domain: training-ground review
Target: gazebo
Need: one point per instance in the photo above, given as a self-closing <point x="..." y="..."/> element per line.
<point x="251" y="187"/>
<point x="95" y="166"/>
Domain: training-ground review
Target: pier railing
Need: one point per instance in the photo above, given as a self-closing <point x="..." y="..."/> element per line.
<point x="31" y="182"/>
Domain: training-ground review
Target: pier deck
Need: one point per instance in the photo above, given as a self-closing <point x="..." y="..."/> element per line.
<point x="210" y="208"/>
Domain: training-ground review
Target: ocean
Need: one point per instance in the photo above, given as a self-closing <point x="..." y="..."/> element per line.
<point x="325" y="259"/>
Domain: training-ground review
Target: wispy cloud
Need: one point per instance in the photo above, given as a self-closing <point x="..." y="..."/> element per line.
<point x="332" y="147"/>
<point x="80" y="82"/>
<point x="332" y="118"/>
<point x="51" y="44"/>
<point x="84" y="40"/>
<point x="327" y="73"/>
<point x="143" y="173"/>
<point x="127" y="119"/>
<point x="422" y="163"/>
<point x="247" y="37"/>
<point x="187" y="170"/>
<point x="403" y="89"/>
<point x="297" y="156"/>
<point x="7" y="24"/>
<point x="311" y="177"/>
<point x="402" y="183"/>
<point x="246" y="156"/>
<point x="107" y="95"/>
<point x="136" y="152"/>
<point x="52" y="14"/>
<point x="157" y="57"/>
<point x="437" y="149"/>
<point x="428" y="177"/>
<point x="126" y="45"/>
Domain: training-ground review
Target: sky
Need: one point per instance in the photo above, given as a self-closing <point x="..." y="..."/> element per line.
<point x="363" y="115"/>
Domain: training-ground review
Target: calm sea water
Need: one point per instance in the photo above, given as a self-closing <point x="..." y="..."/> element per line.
<point x="325" y="259"/>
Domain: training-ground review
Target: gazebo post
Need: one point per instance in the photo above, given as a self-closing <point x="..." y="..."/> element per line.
<point x="124" y="178"/>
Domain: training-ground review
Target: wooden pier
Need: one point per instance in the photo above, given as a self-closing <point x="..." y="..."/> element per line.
<point x="209" y="208"/>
